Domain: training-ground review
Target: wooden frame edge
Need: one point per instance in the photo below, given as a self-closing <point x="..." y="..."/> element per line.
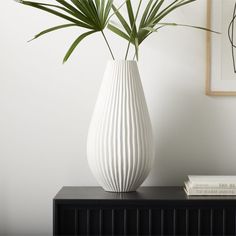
<point x="209" y="91"/>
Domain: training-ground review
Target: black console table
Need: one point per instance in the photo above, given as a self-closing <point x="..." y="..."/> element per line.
<point x="149" y="211"/>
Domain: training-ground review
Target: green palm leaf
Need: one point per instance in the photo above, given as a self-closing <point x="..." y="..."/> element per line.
<point x="75" y="12"/>
<point x="122" y="20"/>
<point x="169" y="9"/>
<point x="134" y="30"/>
<point x="102" y="11"/>
<point x="68" y="6"/>
<point x="189" y="26"/>
<point x="75" y="44"/>
<point x="52" y="29"/>
<point x="154" y="10"/>
<point x="117" y="31"/>
<point x="145" y="13"/>
<point x="131" y="16"/>
<point x="89" y="14"/>
<point x="95" y="16"/>
<point x="107" y="10"/>
<point x="41" y="7"/>
<point x="156" y="14"/>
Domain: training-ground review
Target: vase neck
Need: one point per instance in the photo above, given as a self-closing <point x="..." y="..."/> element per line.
<point x="122" y="62"/>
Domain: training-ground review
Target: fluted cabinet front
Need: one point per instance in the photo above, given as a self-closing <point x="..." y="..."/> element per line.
<point x="120" y="141"/>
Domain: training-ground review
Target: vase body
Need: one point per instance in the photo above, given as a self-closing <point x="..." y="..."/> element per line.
<point x="120" y="142"/>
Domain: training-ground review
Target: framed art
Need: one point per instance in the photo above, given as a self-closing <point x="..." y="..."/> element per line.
<point x="221" y="48"/>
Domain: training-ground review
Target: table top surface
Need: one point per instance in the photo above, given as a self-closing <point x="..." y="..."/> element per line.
<point x="143" y="193"/>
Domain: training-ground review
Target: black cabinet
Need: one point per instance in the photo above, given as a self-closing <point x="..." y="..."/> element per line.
<point x="149" y="211"/>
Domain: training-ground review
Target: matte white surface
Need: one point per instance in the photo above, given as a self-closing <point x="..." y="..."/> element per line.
<point x="45" y="111"/>
<point x="120" y="139"/>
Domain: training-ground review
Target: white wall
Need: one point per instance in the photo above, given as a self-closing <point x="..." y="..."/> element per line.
<point x="45" y="109"/>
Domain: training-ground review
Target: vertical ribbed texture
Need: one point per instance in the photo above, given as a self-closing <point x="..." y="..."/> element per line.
<point x="120" y="142"/>
<point x="130" y="220"/>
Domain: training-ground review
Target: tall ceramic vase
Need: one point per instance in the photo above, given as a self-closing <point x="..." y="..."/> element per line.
<point x="120" y="141"/>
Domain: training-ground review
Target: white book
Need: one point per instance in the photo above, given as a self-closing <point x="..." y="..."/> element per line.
<point x="210" y="192"/>
<point x="217" y="181"/>
<point x="209" y="186"/>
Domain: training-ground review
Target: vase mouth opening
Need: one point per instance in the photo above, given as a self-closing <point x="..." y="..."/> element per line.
<point x="122" y="61"/>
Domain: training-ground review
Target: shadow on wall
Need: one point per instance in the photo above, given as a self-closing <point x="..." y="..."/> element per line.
<point x="194" y="136"/>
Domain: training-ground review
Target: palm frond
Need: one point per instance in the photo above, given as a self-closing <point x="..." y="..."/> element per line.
<point x="188" y="26"/>
<point x="131" y="16"/>
<point x="92" y="15"/>
<point x="75" y="44"/>
<point x="145" y="13"/>
<point x="107" y="11"/>
<point x="122" y="20"/>
<point x="153" y="12"/>
<point x="133" y="34"/>
<point x="95" y="16"/>
<point x="157" y="14"/>
<point x="52" y="29"/>
<point x="118" y="31"/>
<point x="176" y="4"/>
<point x="56" y="13"/>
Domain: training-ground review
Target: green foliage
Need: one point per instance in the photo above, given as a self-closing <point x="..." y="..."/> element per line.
<point x="87" y="14"/>
<point x="95" y="16"/>
<point x="154" y="12"/>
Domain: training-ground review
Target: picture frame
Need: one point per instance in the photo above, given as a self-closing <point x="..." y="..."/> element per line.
<point x="220" y="71"/>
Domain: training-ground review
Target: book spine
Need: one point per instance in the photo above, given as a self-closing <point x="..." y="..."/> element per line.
<point x="212" y="185"/>
<point x="211" y="192"/>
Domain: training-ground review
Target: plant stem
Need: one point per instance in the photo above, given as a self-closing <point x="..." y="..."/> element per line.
<point x="104" y="36"/>
<point x="133" y="26"/>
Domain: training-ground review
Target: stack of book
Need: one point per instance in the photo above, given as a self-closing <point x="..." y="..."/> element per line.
<point x="210" y="185"/>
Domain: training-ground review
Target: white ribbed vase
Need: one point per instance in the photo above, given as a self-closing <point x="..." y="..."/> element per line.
<point x="120" y="141"/>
